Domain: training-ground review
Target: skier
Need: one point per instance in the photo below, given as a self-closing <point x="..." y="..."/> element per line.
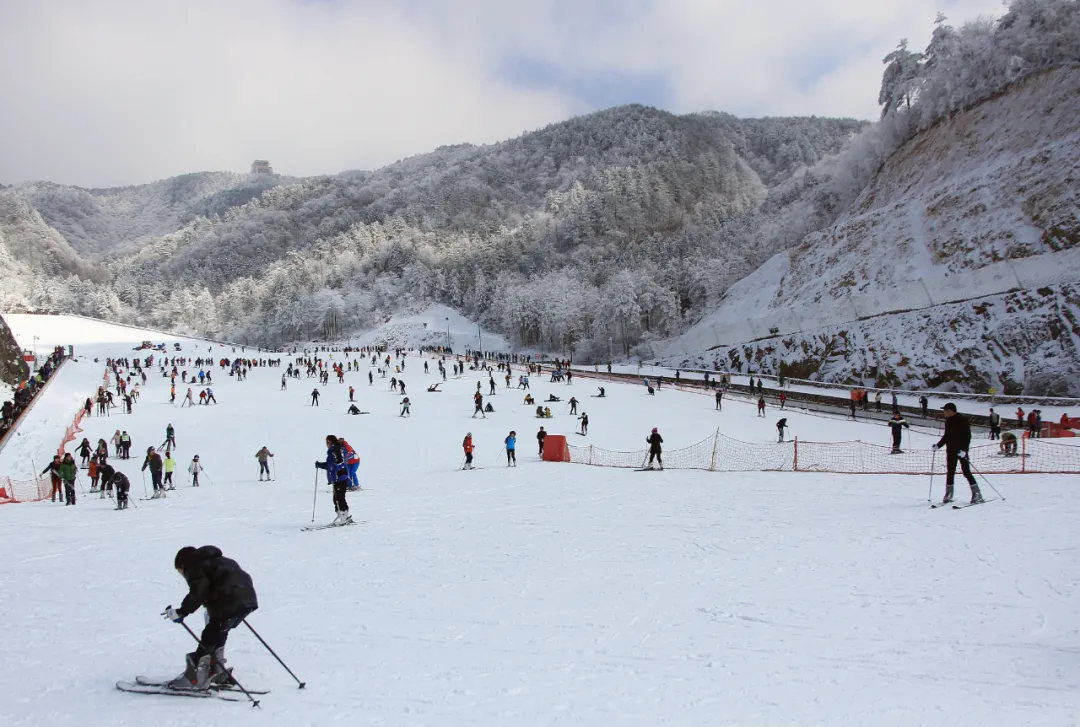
<point x="602" y="394"/>
<point x="924" y="404"/>
<point x="170" y="438"/>
<point x="352" y="461"/>
<point x="1008" y="444"/>
<point x="654" y="441"/>
<point x="264" y="463"/>
<point x="584" y="423"/>
<point x="153" y="461"/>
<point x="783" y="399"/>
<point x="68" y="470"/>
<point x="94" y="475"/>
<point x="124" y="451"/>
<point x="194" y="469"/>
<point x="898" y="424"/>
<point x="219" y="585"/>
<point x="351" y="392"/>
<point x="719" y="399"/>
<point x="995" y="424"/>
<point x="405" y="407"/>
<point x="337" y="474"/>
<point x="370" y="379"/>
<point x="573" y="405"/>
<point x="780" y="427"/>
<point x="877" y="400"/>
<point x="761" y="406"/>
<point x="210" y="396"/>
<point x="478" y="400"/>
<point x="540" y="437"/>
<point x="188" y="400"/>
<point x="467" y="445"/>
<point x="110" y="478"/>
<point x="353" y="409"/>
<point x="956" y="440"/>
<point x="84" y="451"/>
<point x="511" y="449"/>
<point x="314" y="397"/>
<point x="170" y="467"/>
<point x="283" y="383"/>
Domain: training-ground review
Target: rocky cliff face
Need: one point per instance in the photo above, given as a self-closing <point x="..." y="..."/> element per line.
<point x="12" y="367"/>
<point x="961" y="258"/>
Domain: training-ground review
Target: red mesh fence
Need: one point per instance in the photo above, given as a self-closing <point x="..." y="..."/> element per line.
<point x="23" y="490"/>
<point x="719" y="453"/>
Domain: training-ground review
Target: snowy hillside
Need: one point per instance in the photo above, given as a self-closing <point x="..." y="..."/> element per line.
<point x="546" y="594"/>
<point x="958" y="263"/>
<point x="435" y="325"/>
<point x="109" y="221"/>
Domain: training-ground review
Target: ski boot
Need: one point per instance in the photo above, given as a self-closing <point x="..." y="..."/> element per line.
<point x="948" y="495"/>
<point x="976" y="496"/>
<point x="196" y="675"/>
<point x="220" y="676"/>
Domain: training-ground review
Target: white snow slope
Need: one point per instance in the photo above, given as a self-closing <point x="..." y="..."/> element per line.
<point x="549" y="594"/>
<point x="960" y="260"/>
<point x="432" y="326"/>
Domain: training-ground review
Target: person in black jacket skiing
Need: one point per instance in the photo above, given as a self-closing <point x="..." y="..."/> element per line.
<point x="655" y="440"/>
<point x="119" y="480"/>
<point x="221" y="586"/>
<point x="898" y="424"/>
<point x="956" y="440"/>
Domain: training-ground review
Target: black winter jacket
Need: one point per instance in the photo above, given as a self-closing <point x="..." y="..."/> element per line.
<point x="957" y="437"/>
<point x="218" y="584"/>
<point x="654" y="440"/>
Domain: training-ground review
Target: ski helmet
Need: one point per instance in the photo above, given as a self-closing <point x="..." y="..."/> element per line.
<point x="654" y="430"/>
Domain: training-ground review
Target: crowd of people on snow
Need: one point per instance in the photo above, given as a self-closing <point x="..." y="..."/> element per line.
<point x="25" y="391"/>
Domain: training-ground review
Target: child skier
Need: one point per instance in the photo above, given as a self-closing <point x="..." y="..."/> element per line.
<point x="194" y="469"/>
<point x="219" y="585"/>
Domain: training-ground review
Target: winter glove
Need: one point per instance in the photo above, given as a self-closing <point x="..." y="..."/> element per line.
<point x="171" y="614"/>
<point x="962" y="454"/>
<point x="936" y="447"/>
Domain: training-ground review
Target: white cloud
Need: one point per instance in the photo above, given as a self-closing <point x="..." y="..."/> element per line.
<point x="124" y="91"/>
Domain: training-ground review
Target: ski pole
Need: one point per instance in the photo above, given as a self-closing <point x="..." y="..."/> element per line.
<point x="254" y="702"/>
<point x="929" y="493"/>
<point x="980" y="474"/>
<point x="263" y="642"/>
<point x="273" y="466"/>
<point x="145" y="494"/>
<point x="315" y="495"/>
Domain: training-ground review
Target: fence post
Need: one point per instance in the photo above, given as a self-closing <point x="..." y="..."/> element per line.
<point x="1023" y="455"/>
<point x="795" y="466"/>
<point x="715" y="444"/>
<point x="590" y="453"/>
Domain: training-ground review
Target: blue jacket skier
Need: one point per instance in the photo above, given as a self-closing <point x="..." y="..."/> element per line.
<point x="337" y="474"/>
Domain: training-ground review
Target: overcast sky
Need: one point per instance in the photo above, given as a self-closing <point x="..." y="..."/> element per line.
<point x="113" y="92"/>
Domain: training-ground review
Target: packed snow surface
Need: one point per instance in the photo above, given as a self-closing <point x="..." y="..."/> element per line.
<point x="546" y="594"/>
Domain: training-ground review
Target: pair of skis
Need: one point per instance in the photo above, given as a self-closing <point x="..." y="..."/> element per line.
<point x="143" y="685"/>
<point x="309" y="528"/>
<point x="962" y="505"/>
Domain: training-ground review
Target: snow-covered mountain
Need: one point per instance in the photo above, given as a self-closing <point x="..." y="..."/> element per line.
<point x="629" y="199"/>
<point x="959" y="263"/>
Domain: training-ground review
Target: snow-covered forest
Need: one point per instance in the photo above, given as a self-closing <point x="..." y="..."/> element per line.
<point x="616" y="228"/>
